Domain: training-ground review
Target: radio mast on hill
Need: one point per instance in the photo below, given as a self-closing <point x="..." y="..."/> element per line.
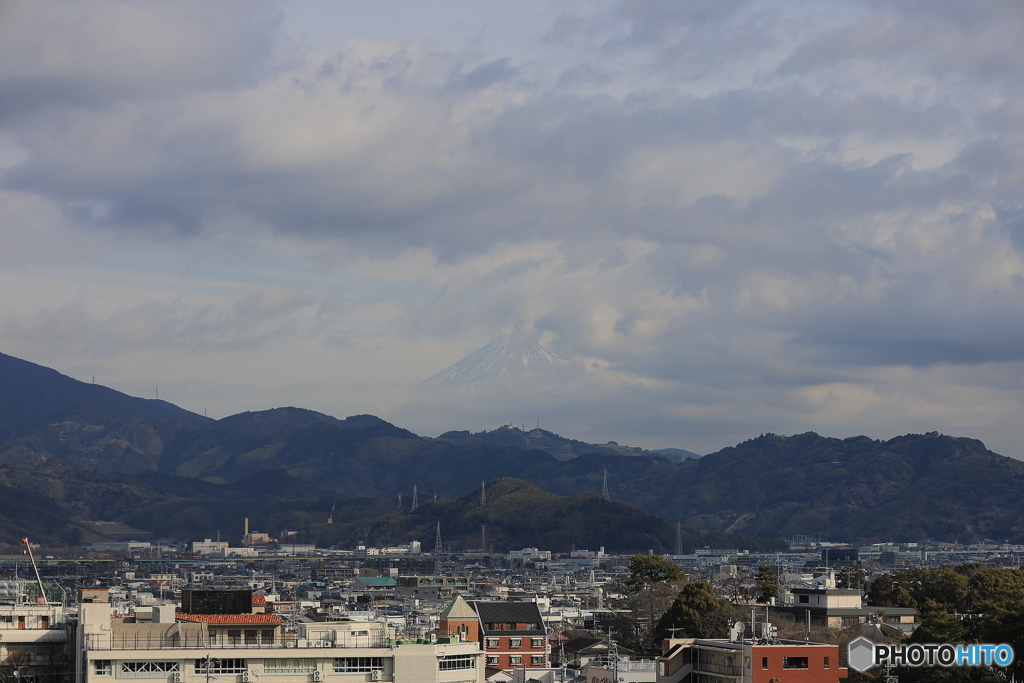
<point x="437" y="541"/>
<point x="604" y="487"/>
<point x="415" y="499"/>
<point x="483" y="493"/>
<point x="679" y="539"/>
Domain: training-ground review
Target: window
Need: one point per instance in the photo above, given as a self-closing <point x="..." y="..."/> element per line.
<point x="147" y="669"/>
<point x="492" y="642"/>
<point x="250" y="637"/>
<point x="764" y="663"/>
<point x="805" y="598"/>
<point x="826" y="662"/>
<point x="212" y="665"/>
<point x="456" y="662"/>
<point x="492" y="660"/>
<point x="794" y="663"/>
<point x="267" y="636"/>
<point x="101" y="667"/>
<point x="7" y="619"/>
<point x="234" y="636"/>
<point x="537" y="660"/>
<point x="516" y="660"/>
<point x="515" y="642"/>
<point x="360" y="633"/>
<point x="536" y="642"/>
<point x="358" y="665"/>
<point x="289" y="666"/>
<point x="213" y="636"/>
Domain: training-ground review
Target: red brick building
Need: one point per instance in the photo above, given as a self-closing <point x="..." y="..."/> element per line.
<point x="511" y="634"/>
<point x="689" y="660"/>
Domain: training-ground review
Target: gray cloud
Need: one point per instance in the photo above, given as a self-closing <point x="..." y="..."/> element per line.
<point x="748" y="214"/>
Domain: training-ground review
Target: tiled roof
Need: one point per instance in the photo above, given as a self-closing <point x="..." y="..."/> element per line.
<point x="259" y="599"/>
<point x="510" y="613"/>
<point x="231" y="618"/>
<point x="458" y="609"/>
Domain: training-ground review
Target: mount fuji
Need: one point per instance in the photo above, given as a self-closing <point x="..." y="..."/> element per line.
<point x="503" y="357"/>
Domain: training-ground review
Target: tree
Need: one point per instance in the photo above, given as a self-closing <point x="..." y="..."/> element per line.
<point x="696" y="612"/>
<point x="646" y="570"/>
<point x="647" y="592"/>
<point x="849" y="577"/>
<point x="768" y="582"/>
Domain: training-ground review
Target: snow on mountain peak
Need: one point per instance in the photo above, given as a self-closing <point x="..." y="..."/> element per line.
<point x="503" y="357"/>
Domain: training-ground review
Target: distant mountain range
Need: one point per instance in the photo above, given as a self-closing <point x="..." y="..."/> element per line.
<point x="64" y="439"/>
<point x="503" y="357"/>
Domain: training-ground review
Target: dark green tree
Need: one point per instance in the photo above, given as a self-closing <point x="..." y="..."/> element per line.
<point x="768" y="582"/>
<point x="696" y="612"/>
<point x="849" y="577"/>
<point x="647" y="570"/>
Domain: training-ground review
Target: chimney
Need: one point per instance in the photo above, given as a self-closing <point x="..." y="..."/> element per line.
<point x="246" y="526"/>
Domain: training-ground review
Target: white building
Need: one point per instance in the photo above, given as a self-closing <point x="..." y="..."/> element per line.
<point x="254" y="648"/>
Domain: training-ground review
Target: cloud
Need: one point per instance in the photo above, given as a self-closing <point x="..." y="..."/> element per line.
<point x="743" y="215"/>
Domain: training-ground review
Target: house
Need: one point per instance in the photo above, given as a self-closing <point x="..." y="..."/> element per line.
<point x="844" y="607"/>
<point x="512" y="634"/>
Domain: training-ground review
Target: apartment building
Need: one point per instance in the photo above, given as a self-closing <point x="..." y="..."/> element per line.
<point x="254" y="648"/>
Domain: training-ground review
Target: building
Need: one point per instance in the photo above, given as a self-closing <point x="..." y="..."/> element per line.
<point x="690" y="660"/>
<point x="194" y="648"/>
<point x="33" y="640"/>
<point x="844" y="607"/>
<point x="512" y="634"/>
<point x="209" y="547"/>
<point x="431" y="587"/>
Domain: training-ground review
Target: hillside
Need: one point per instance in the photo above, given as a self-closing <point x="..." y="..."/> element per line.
<point x="519" y="514"/>
<point x="539" y="439"/>
<point x="913" y="487"/>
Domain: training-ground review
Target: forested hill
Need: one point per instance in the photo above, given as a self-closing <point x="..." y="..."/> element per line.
<point x="911" y="488"/>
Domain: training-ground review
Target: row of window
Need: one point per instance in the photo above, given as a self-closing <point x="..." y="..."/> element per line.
<point x="214" y="665"/>
<point x="236" y="636"/>
<point x="456" y="662"/>
<point x="493" y="643"/>
<point x="516" y="660"/>
<point x="793" y="663"/>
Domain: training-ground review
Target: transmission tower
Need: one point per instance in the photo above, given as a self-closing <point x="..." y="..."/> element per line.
<point x="483" y="538"/>
<point x="483" y="494"/>
<point x="679" y="539"/>
<point x="399" y="501"/>
<point x="604" y="487"/>
<point x="437" y="540"/>
<point x="415" y="499"/>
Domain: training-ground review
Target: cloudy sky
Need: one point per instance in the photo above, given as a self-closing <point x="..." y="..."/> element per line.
<point x="738" y="216"/>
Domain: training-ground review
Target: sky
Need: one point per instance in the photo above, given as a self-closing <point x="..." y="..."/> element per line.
<point x="736" y="216"/>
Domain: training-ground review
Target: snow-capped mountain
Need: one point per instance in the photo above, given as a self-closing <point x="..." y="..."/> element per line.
<point x="503" y="357"/>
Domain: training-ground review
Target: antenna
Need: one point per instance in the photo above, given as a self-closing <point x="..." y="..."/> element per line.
<point x="604" y="487"/>
<point x="399" y="501"/>
<point x="94" y="379"/>
<point x="158" y="393"/>
<point x="679" y="539"/>
<point x="28" y="546"/>
<point x="483" y="538"/>
<point x="483" y="494"/>
<point x="437" y="541"/>
<point x="415" y="499"/>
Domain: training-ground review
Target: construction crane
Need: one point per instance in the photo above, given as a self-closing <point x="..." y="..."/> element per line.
<point x="330" y="517"/>
<point x="42" y="591"/>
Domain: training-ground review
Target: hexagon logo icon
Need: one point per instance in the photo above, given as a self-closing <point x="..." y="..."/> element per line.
<point x="861" y="654"/>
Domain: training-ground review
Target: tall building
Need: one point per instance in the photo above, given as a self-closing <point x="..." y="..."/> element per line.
<point x="512" y="634"/>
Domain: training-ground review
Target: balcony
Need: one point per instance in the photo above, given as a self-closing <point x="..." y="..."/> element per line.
<point x="713" y="668"/>
<point x="187" y="641"/>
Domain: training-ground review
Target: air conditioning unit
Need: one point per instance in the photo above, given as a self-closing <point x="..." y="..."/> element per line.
<point x="317" y="676"/>
<point x="245" y="677"/>
<point x="177" y="677"/>
<point x="375" y="675"/>
<point x="318" y="643"/>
